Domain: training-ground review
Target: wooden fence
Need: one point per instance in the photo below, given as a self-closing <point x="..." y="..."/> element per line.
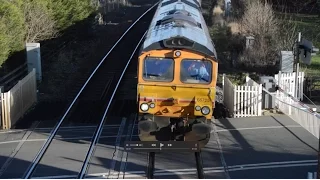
<point x="18" y="100"/>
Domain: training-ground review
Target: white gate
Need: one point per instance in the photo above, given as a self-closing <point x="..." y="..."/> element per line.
<point x="244" y="100"/>
<point x="287" y="83"/>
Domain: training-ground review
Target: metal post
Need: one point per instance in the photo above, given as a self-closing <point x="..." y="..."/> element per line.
<point x="318" y="171"/>
<point x="1" y="106"/>
<point x="296" y="62"/>
<point x="199" y="165"/>
<point x="150" y="168"/>
<point x="310" y="175"/>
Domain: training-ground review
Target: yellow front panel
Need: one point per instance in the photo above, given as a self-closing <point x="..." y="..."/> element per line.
<point x="173" y="101"/>
<point x="175" y="98"/>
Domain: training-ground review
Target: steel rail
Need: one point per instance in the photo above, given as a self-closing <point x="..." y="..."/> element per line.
<point x="98" y="131"/>
<point x="45" y="146"/>
<point x="199" y="165"/>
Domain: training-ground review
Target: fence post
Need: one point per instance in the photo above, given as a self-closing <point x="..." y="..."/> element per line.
<point x="223" y="80"/>
<point x="259" y="99"/>
<point x="247" y="80"/>
<point x="8" y="109"/>
<point x="35" y="84"/>
<point x="302" y="85"/>
<point x="20" y="91"/>
<point x="1" y="106"/>
<point x="223" y="88"/>
<point x="234" y="100"/>
<point x="279" y="78"/>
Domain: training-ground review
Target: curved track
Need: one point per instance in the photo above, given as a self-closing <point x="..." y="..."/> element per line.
<point x="92" y="103"/>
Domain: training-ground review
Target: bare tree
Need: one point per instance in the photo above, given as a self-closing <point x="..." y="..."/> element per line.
<point x="260" y="22"/>
<point x="40" y="25"/>
<point x="287" y="34"/>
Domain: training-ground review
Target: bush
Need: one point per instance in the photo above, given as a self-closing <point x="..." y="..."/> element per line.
<point x="36" y="20"/>
<point x="12" y="29"/>
<point x="67" y="12"/>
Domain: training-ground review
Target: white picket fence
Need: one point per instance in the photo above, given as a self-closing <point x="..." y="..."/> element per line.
<point x="296" y="110"/>
<point x="244" y="100"/>
<point x="287" y="82"/>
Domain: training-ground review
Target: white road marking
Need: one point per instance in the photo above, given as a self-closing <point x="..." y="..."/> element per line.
<point x="16" y="150"/>
<point x="274" y="166"/>
<point x="71" y="138"/>
<point x="83" y="128"/>
<point x="117" y="126"/>
<point x="78" y="127"/>
<point x="274" y="163"/>
<point x="132" y="174"/>
<point x="254" y="128"/>
<point x="62" y="129"/>
<point x="13" y="131"/>
<point x="223" y="161"/>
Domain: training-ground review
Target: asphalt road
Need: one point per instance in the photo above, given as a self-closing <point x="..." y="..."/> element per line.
<point x="255" y="147"/>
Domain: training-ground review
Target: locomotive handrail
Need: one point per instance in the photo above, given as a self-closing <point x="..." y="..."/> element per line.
<point x="45" y="146"/>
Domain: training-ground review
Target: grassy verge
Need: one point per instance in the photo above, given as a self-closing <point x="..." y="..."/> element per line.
<point x="308" y="25"/>
<point x="314" y="68"/>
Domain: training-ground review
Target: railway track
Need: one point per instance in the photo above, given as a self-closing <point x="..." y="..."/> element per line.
<point x="97" y="103"/>
<point x="96" y="98"/>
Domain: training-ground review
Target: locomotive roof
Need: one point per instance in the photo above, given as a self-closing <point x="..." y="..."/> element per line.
<point x="179" y="18"/>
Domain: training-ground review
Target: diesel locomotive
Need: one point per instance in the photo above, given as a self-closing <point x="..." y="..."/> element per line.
<point x="177" y="74"/>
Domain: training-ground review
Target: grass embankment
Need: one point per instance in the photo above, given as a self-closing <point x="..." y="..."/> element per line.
<point x="309" y="26"/>
<point x="314" y="68"/>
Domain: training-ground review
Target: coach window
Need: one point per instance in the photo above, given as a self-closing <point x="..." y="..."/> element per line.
<point x="158" y="69"/>
<point x="196" y="71"/>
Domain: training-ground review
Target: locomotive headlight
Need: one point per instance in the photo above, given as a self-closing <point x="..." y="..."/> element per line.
<point x="144" y="107"/>
<point x="205" y="110"/>
<point x="181" y="42"/>
<point x="152" y="105"/>
<point x="177" y="53"/>
<point x="178" y="42"/>
<point x="198" y="108"/>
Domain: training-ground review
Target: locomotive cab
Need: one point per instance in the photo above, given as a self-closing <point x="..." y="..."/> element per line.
<point x="175" y="95"/>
